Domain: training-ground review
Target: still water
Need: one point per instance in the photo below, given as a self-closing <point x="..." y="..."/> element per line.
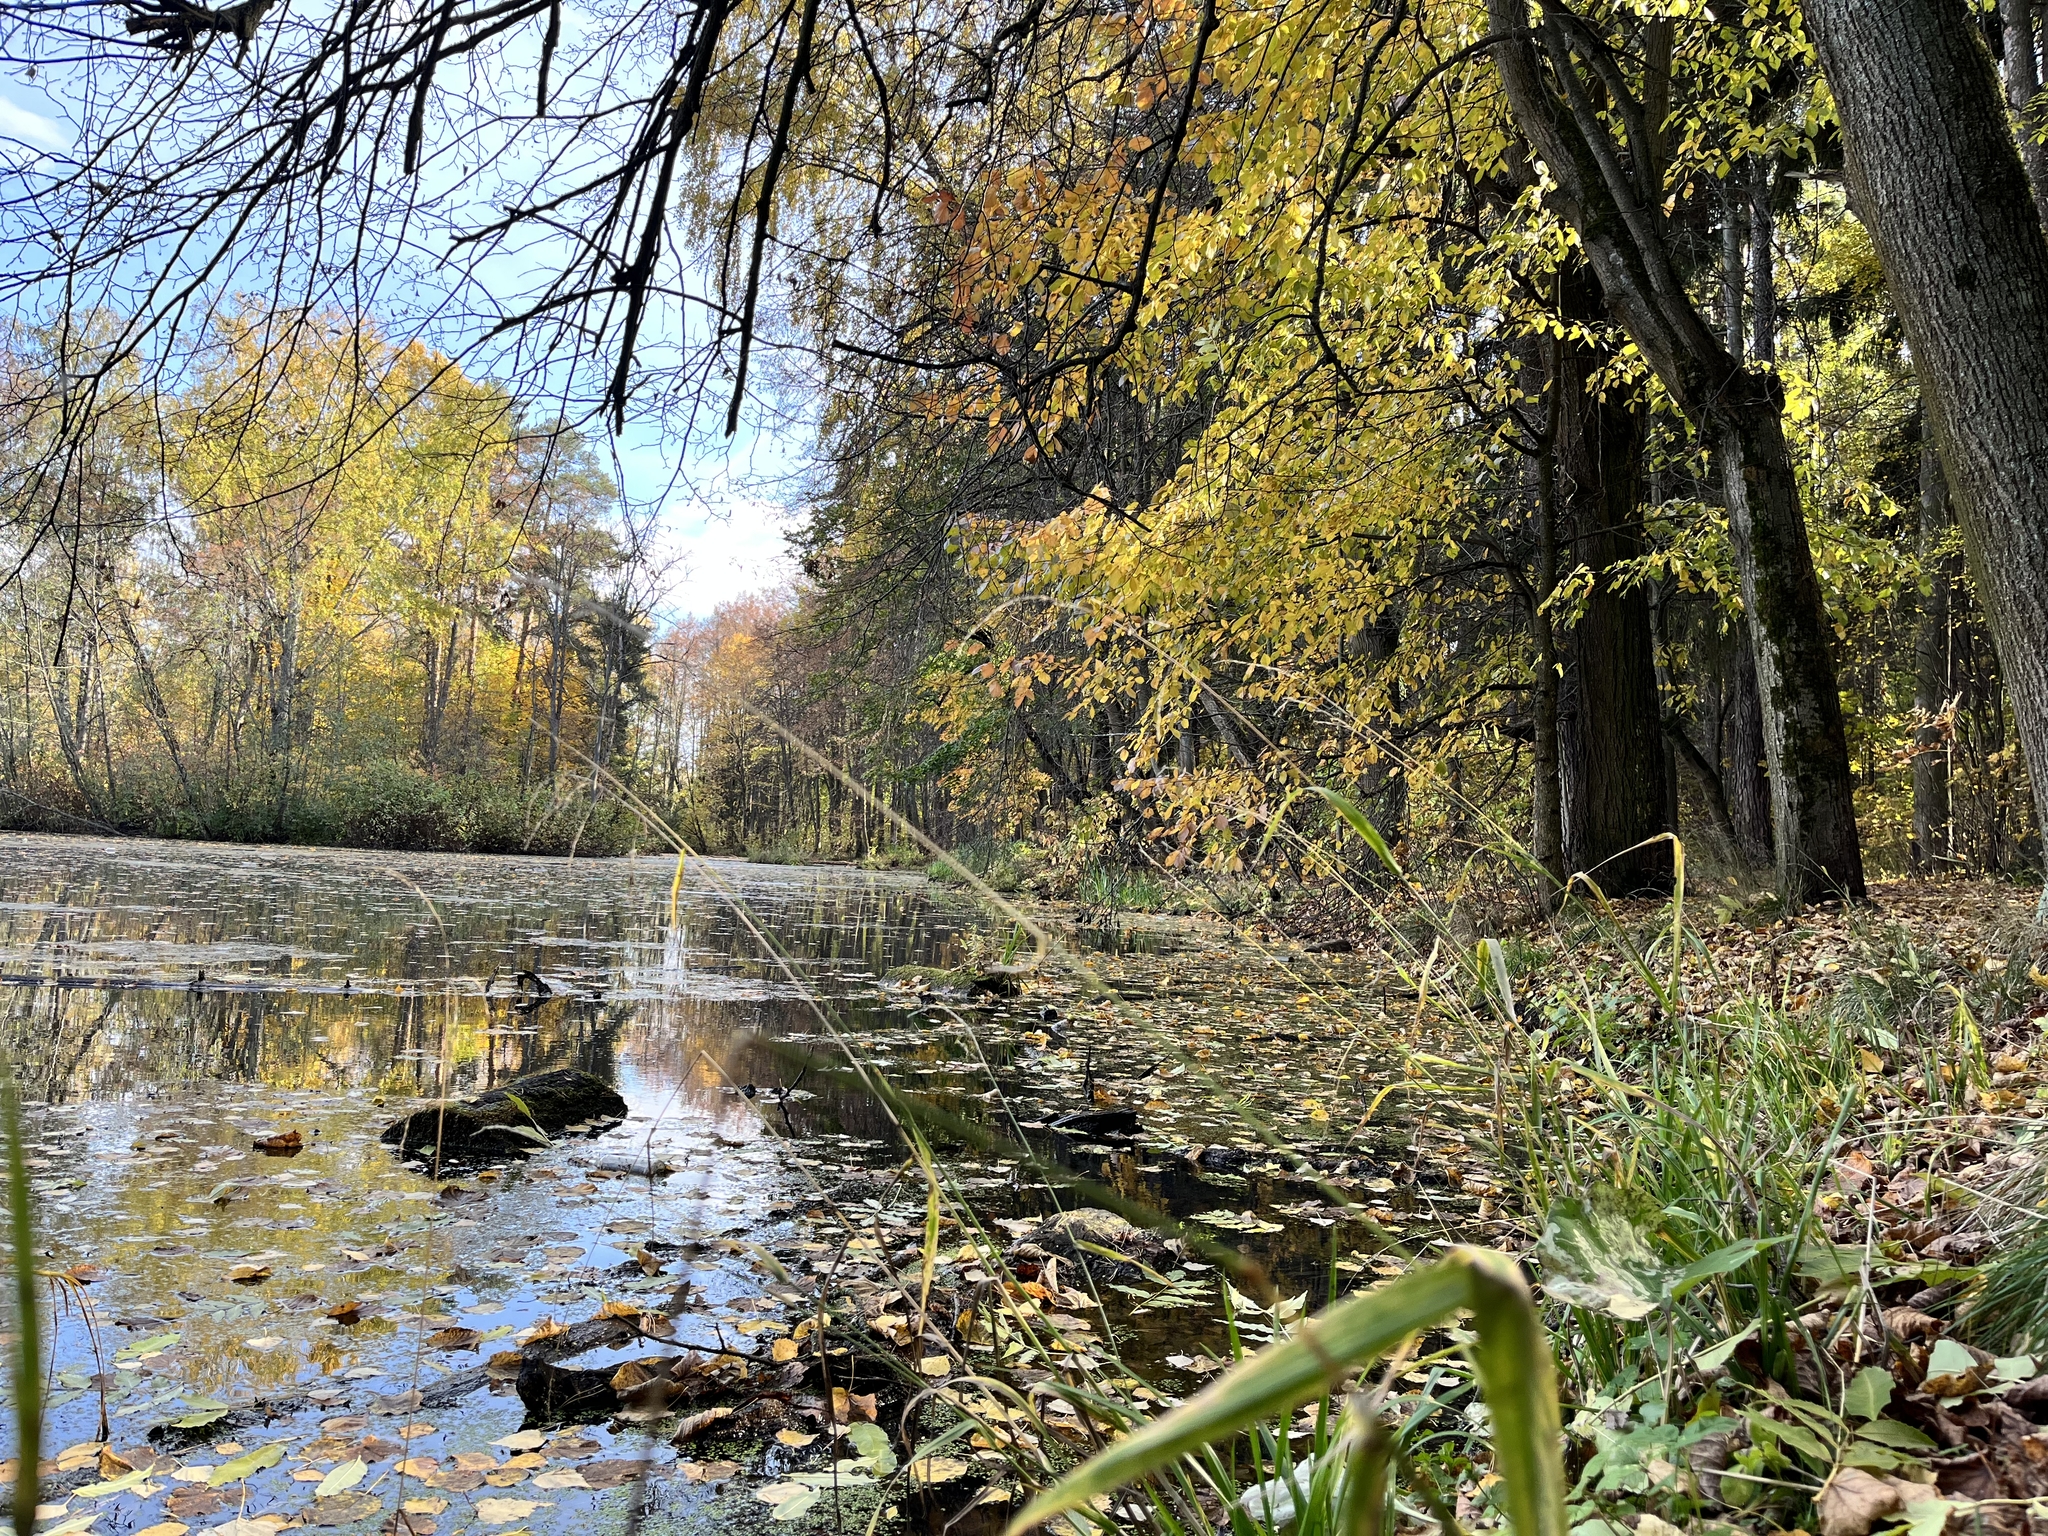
<point x="168" y="1005"/>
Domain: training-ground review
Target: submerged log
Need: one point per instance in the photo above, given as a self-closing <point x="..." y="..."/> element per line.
<point x="508" y="1121"/>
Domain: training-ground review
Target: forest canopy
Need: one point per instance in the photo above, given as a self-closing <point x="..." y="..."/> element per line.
<point x="1513" y="421"/>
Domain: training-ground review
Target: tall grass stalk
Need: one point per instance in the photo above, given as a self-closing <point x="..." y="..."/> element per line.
<point x="27" y="1368"/>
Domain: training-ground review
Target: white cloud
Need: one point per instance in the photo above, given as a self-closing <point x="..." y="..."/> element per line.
<point x="718" y="554"/>
<point x="18" y="122"/>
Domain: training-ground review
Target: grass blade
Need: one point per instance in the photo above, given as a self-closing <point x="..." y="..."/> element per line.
<point x="28" y="1379"/>
<point x="1515" y="1369"/>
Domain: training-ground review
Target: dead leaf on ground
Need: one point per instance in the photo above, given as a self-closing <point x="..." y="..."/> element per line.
<point x="1852" y="1501"/>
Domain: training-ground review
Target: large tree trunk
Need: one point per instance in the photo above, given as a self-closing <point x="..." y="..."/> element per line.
<point x="1617" y="213"/>
<point x="1546" y="806"/>
<point x="1610" y="737"/>
<point x="2022" y="85"/>
<point x="1935" y="174"/>
<point x="1747" y="780"/>
<point x="1932" y="848"/>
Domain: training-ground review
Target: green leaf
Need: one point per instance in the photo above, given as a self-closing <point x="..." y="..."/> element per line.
<point x="872" y="1442"/>
<point x="796" y="1505"/>
<point x="1361" y="825"/>
<point x="1948" y="1358"/>
<point x="1798" y="1436"/>
<point x="119" y="1484"/>
<point x="2007" y="1369"/>
<point x="1928" y="1517"/>
<point x="1900" y="1437"/>
<point x="1866" y="1395"/>
<point x="204" y="1411"/>
<point x="246" y="1465"/>
<point x="1713" y="1358"/>
<point x="148" y="1346"/>
<point x="1593" y="1256"/>
<point x="1721" y="1261"/>
<point x="342" y="1478"/>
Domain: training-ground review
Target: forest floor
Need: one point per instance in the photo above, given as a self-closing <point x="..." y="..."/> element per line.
<point x="1837" y="1114"/>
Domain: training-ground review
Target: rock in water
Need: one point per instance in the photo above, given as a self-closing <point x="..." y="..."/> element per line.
<point x="502" y="1122"/>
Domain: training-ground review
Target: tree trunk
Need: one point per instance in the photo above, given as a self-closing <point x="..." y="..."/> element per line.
<point x="1933" y="171"/>
<point x="1932" y="849"/>
<point x="1546" y="833"/>
<point x="2022" y="85"/>
<point x="1610" y="748"/>
<point x="1618" y="215"/>
<point x="1747" y="781"/>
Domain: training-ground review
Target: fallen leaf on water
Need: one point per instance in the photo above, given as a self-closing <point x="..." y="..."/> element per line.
<point x="342" y="1509"/>
<point x="250" y="1525"/>
<point x="190" y="1503"/>
<point x="281" y="1144"/>
<point x="847" y="1405"/>
<point x="784" y="1350"/>
<point x="248" y="1464"/>
<point x="610" y="1474"/>
<point x="249" y="1274"/>
<point x="473" y="1461"/>
<point x="709" y="1471"/>
<point x="342" y="1478"/>
<point x="794" y="1437"/>
<point x="348" y="1313"/>
<point x="416" y="1431"/>
<point x="695" y="1424"/>
<point x="84" y="1454"/>
<point x="507" y="1511"/>
<point x="417" y="1466"/>
<point x="265" y="1344"/>
<point x="424" y="1506"/>
<point x="136" y="1482"/>
<point x="619" y="1309"/>
<point x="937" y="1469"/>
<point x="567" y="1477"/>
<point x="165" y="1528"/>
<point x="522" y="1440"/>
<point x="453" y="1338"/>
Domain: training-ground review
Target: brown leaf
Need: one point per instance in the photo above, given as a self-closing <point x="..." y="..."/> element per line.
<point x="342" y="1509"/>
<point x="281" y="1144"/>
<point x="453" y="1338"/>
<point x="347" y="1313"/>
<point x="695" y="1424"/>
<point x="1852" y="1501"/>
<point x="609" y="1474"/>
<point x="191" y="1502"/>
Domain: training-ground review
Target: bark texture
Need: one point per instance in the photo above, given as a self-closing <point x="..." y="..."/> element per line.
<point x="1932" y="846"/>
<point x="1554" y="92"/>
<point x="2022" y="84"/>
<point x="1610" y="745"/>
<point x="1935" y="174"/>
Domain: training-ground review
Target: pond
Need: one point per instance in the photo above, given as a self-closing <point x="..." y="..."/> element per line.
<point x="169" y="1005"/>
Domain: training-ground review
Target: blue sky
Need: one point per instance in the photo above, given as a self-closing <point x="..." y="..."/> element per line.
<point x="722" y="506"/>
